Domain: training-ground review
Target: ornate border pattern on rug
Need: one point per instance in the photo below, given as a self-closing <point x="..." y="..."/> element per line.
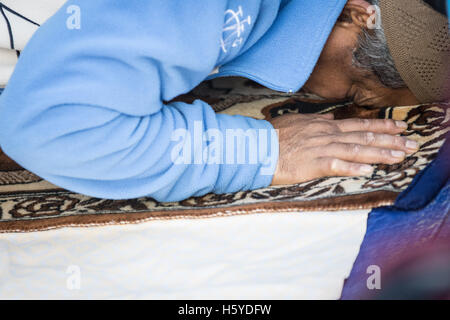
<point x="28" y="203"/>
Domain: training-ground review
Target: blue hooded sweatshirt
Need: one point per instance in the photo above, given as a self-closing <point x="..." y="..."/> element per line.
<point x="85" y="107"/>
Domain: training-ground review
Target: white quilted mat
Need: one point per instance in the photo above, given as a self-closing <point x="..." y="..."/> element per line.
<point x="265" y="256"/>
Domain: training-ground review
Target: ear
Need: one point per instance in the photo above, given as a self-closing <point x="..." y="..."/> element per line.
<point x="355" y="14"/>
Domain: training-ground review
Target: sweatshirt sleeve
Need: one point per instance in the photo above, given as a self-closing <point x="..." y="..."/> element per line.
<point x="84" y="108"/>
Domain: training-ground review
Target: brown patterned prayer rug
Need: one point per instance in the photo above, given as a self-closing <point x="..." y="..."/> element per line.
<point x="28" y="203"/>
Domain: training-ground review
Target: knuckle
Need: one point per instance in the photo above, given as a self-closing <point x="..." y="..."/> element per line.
<point x="320" y="126"/>
<point x="399" y="141"/>
<point x="388" y="123"/>
<point x="353" y="149"/>
<point x="317" y="140"/>
<point x="385" y="154"/>
<point x="365" y="123"/>
<point x="352" y="169"/>
<point x="384" y="138"/>
<point x="333" y="166"/>
<point x="334" y="145"/>
<point x="368" y="138"/>
<point x="312" y="126"/>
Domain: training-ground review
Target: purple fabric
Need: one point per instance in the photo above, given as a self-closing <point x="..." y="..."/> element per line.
<point x="418" y="219"/>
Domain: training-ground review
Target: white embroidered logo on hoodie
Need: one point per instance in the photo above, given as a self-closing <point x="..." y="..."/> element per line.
<point x="234" y="28"/>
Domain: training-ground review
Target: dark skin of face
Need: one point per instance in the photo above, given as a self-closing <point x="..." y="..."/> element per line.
<point x="335" y="77"/>
<point x="315" y="146"/>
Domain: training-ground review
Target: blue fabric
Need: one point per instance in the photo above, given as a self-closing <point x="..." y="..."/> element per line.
<point x="85" y="108"/>
<point x="448" y="9"/>
<point x="286" y="55"/>
<point x="419" y="217"/>
<point x="438" y="5"/>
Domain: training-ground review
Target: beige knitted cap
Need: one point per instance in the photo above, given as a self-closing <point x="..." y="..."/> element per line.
<point x="419" y="41"/>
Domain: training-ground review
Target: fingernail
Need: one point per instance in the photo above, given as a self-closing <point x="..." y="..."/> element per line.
<point x="411" y="144"/>
<point x="397" y="154"/>
<point x="366" y="169"/>
<point x="401" y="124"/>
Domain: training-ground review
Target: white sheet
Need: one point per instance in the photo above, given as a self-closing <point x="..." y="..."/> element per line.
<point x="264" y="256"/>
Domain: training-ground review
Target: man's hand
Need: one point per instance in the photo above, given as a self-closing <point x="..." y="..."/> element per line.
<point x="315" y="146"/>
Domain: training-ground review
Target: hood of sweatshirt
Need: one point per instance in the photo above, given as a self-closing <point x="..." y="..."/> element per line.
<point x="284" y="58"/>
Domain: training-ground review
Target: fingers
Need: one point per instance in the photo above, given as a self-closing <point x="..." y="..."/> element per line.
<point x="372" y="125"/>
<point x="360" y="153"/>
<point x="341" y="168"/>
<point x="379" y="140"/>
<point x="314" y="146"/>
<point x="328" y="116"/>
<point x="299" y="120"/>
